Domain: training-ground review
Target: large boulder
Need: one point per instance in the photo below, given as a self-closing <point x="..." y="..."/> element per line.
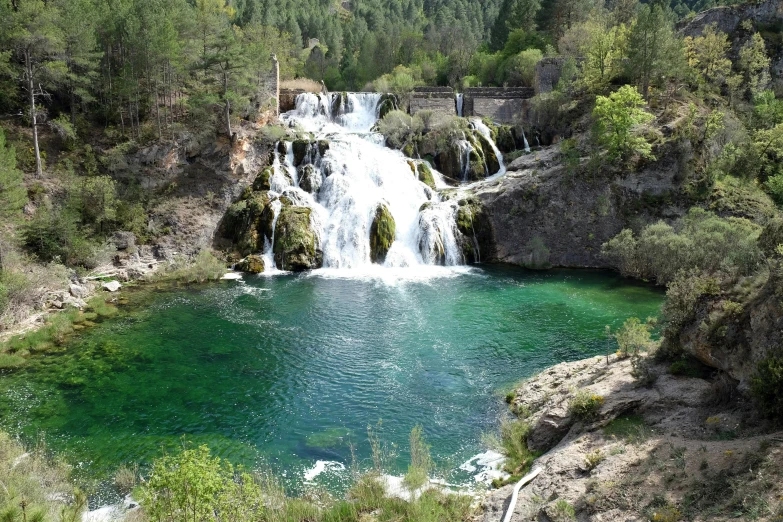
<point x="264" y="180"/>
<point x="251" y="264"/>
<point x="450" y="162"/>
<point x="476" y="230"/>
<point x="382" y="233"/>
<point x="490" y="158"/>
<point x="296" y="245"/>
<point x="424" y="174"/>
<point x="310" y="179"/>
<point x="245" y="222"/>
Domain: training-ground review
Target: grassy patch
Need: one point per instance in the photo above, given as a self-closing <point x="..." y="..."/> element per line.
<point x="585" y="405"/>
<point x="204" y="267"/>
<point x="630" y="428"/>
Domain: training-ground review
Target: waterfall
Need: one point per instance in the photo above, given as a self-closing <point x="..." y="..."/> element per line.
<point x="346" y="185"/>
<point x="527" y="145"/>
<point x="460" y="104"/>
<point x="484" y="130"/>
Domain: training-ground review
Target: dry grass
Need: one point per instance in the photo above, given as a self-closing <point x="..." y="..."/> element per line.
<point x="304" y="84"/>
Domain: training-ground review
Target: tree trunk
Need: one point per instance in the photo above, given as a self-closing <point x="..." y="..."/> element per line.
<point x="228" y="104"/>
<point x="33" y="119"/>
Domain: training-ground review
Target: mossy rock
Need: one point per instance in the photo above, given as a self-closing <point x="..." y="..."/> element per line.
<point x="506" y="139"/>
<point x="425" y="174"/>
<point x="323" y="146"/>
<point x="310" y="179"/>
<point x="296" y="246"/>
<point x="490" y="158"/>
<point x="264" y="180"/>
<point x="476" y="231"/>
<point x="449" y="162"/>
<point x="477" y="169"/>
<point x="251" y="264"/>
<point x="387" y="104"/>
<point x="300" y="151"/>
<point x="412" y="165"/>
<point x="282" y="148"/>
<point x="382" y="234"/>
<point x="409" y="149"/>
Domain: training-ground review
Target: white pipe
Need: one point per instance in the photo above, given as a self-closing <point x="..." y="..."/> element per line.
<point x="515" y="495"/>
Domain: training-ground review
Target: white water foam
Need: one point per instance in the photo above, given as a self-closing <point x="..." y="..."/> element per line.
<point x="321" y="467"/>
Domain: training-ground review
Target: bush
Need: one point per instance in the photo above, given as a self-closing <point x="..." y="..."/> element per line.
<point x="767" y="386"/>
<point x="400" y="128"/>
<point x="204" y="267"/>
<point x="585" y="405"/>
<point x="635" y="336"/>
<point x="683" y="294"/>
<point x="618" y="118"/>
<point x="699" y="240"/>
<point x="513" y="444"/>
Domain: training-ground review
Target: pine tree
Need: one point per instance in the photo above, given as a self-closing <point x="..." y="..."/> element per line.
<point x="653" y="50"/>
<point x="12" y="192"/>
<point x="30" y="30"/>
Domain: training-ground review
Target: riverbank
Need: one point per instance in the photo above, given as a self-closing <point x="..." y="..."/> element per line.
<point x="683" y="446"/>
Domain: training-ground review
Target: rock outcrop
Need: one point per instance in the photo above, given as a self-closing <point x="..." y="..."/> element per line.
<point x="382" y="233"/>
<point x="541" y="215"/>
<point x="670" y="449"/>
<point x="296" y="245"/>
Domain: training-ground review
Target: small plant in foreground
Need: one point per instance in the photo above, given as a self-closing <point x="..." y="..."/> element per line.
<point x="585" y="405"/>
<point x="593" y="459"/>
<point x="563" y="511"/>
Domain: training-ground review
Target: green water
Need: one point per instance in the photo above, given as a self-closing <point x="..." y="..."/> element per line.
<point x="287" y="370"/>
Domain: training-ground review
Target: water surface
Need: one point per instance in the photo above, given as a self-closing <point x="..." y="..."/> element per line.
<point x="289" y="370"/>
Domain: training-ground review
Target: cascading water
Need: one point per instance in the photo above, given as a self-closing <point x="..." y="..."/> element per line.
<point x="484" y="130"/>
<point x="460" y="104"/>
<point x="346" y="182"/>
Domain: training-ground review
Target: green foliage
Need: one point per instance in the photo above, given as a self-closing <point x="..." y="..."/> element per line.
<point x="34" y="487"/>
<point x="12" y="192"/>
<point x="421" y="462"/>
<point x="584" y="405"/>
<point x="399" y="128"/>
<point x="635" y="336"/>
<point x="520" y="69"/>
<point x="513" y="443"/>
<point x="618" y="117"/>
<point x="630" y="428"/>
<point x="654" y="52"/>
<point x="700" y="240"/>
<point x="194" y="486"/>
<point x="204" y="267"/>
<point x="767" y="386"/>
<point x="682" y="296"/>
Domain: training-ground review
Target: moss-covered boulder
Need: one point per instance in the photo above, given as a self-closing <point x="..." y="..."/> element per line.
<point x="490" y="158"/>
<point x="282" y="148"/>
<point x="244" y="223"/>
<point x="296" y="245"/>
<point x="251" y="264"/>
<point x="387" y="104"/>
<point x="310" y="179"/>
<point x="323" y="146"/>
<point x="264" y="180"/>
<point x="477" y="169"/>
<point x="424" y="173"/>
<point x="300" y="150"/>
<point x="506" y="139"/>
<point x="382" y="233"/>
<point x="475" y="231"/>
<point x="449" y="162"/>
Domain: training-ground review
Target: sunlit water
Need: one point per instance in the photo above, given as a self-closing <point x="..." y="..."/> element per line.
<point x="288" y="370"/>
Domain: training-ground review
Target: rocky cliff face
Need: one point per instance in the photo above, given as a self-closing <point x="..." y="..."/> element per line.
<point x="734" y="337"/>
<point x="198" y="182"/>
<point x="764" y="15"/>
<point x="673" y="450"/>
<point x="544" y="216"/>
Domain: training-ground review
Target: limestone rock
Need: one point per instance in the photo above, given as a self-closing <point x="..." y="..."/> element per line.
<point x="382" y="233"/>
<point x="124" y="240"/>
<point x="78" y="291"/>
<point x="111" y="286"/>
<point x="310" y="179"/>
<point x="251" y="264"/>
<point x="296" y="246"/>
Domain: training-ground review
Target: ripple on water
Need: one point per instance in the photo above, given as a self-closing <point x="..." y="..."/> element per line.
<point x="259" y="369"/>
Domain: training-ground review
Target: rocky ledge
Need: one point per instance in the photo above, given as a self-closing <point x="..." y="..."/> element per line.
<point x="681" y="448"/>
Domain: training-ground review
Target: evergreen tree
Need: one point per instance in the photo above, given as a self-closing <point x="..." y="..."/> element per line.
<point x="653" y="50"/>
<point x="12" y="192"/>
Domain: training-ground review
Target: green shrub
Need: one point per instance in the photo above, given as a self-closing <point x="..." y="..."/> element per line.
<point x="635" y="337"/>
<point x="585" y="405"/>
<point x="617" y="118"/>
<point x="399" y="128"/>
<point x="699" y="240"/>
<point x="767" y="386"/>
<point x="563" y="511"/>
<point x="513" y="444"/>
<point x="204" y="267"/>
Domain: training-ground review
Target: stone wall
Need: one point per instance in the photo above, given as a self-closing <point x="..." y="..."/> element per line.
<point x="268" y="94"/>
<point x="548" y="73"/>
<point x="440" y="100"/>
<point x="287" y="99"/>
<point x="499" y="104"/>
